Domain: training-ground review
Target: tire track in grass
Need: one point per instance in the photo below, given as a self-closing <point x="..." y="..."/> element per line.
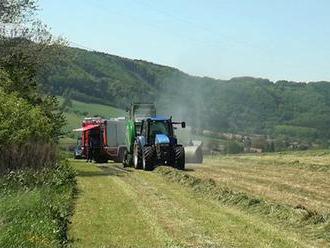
<point x="196" y="222"/>
<point x="145" y="212"/>
<point x="171" y="214"/>
<point x="105" y="216"/>
<point x="165" y="213"/>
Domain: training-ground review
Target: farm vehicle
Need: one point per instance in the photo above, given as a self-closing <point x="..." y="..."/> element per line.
<point x="164" y="143"/>
<point x="108" y="137"/>
<point x="157" y="145"/>
<point x="123" y="140"/>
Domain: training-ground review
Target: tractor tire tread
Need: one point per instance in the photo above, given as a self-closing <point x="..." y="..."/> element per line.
<point x="149" y="158"/>
<point x="179" y="157"/>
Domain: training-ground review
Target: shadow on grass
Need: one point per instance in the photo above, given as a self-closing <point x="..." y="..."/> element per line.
<point x="106" y="170"/>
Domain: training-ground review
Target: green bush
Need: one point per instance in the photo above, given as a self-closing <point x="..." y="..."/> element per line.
<point x="233" y="147"/>
<point x="21" y="122"/>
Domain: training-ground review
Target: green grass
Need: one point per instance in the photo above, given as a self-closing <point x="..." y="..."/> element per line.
<point x="79" y="110"/>
<point x="35" y="207"/>
<point x="106" y="215"/>
<point x="105" y="111"/>
<point x="73" y="121"/>
<point x="128" y="208"/>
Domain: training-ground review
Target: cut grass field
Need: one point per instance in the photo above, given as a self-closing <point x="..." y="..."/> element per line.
<point x="296" y="178"/>
<point x="217" y="204"/>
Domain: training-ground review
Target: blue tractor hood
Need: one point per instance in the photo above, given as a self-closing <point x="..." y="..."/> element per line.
<point x="161" y="139"/>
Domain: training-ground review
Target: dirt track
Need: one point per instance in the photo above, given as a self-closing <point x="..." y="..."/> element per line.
<point x="127" y="208"/>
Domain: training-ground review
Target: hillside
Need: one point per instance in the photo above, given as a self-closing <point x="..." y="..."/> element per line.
<point x="241" y="105"/>
<point x="75" y="111"/>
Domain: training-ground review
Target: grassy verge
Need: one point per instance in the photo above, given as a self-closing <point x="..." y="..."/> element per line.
<point x="35" y="207"/>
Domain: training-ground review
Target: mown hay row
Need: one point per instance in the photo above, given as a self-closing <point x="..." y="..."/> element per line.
<point x="314" y="224"/>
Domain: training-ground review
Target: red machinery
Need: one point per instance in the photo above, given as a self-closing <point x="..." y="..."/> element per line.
<point x="109" y="136"/>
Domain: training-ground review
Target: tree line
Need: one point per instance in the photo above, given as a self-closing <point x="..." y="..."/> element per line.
<point x="243" y="105"/>
<point x="27" y="115"/>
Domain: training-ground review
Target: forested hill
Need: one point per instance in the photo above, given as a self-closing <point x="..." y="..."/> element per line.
<point x="240" y="105"/>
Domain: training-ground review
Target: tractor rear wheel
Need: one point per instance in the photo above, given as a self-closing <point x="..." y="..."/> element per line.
<point x="179" y="158"/>
<point x="137" y="157"/>
<point x="149" y="158"/>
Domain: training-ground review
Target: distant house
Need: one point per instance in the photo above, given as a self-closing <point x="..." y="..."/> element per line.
<point x="255" y="150"/>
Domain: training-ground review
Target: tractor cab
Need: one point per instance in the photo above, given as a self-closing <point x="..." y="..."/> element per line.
<point x="157" y="130"/>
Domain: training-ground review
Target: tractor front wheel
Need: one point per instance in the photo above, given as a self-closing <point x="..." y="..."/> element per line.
<point x="149" y="158"/>
<point x="179" y="158"/>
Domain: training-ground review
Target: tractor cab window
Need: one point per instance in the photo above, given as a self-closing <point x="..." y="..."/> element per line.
<point x="159" y="127"/>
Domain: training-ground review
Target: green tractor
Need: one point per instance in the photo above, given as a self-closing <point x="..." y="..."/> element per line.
<point x="137" y="113"/>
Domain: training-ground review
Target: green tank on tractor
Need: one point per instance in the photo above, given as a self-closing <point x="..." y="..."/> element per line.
<point x="137" y="113"/>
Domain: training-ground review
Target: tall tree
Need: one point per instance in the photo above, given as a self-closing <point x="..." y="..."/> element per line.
<point x="13" y="11"/>
<point x="25" y="46"/>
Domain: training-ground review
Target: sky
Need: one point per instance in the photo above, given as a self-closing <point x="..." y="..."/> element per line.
<point x="278" y="40"/>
